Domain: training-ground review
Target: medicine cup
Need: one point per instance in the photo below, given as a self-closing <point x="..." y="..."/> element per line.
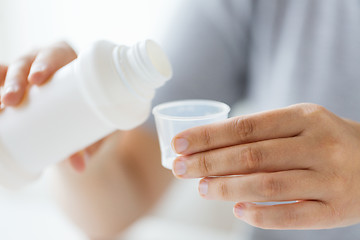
<point x="172" y="118"/>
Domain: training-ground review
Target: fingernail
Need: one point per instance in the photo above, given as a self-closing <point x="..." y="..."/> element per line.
<point x="179" y="167"/>
<point x="203" y="187"/>
<point x="180" y="145"/>
<point x="11" y="89"/>
<point x="239" y="210"/>
<point x="37" y="67"/>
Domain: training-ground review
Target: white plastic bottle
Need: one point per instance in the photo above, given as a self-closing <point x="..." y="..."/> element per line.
<point x="107" y="87"/>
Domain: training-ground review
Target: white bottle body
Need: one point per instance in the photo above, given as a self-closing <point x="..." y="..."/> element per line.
<point x="82" y="103"/>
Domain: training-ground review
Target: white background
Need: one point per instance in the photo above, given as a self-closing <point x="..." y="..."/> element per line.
<point x="25" y="24"/>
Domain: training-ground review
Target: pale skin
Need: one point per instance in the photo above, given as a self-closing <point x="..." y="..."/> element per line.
<point x="302" y="152"/>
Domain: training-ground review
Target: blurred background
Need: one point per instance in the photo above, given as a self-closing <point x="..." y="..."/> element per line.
<point x="31" y="213"/>
<point x="26" y="24"/>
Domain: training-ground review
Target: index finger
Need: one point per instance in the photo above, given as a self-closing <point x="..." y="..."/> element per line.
<point x="280" y="123"/>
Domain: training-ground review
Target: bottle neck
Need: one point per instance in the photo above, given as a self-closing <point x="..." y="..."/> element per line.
<point x="143" y="67"/>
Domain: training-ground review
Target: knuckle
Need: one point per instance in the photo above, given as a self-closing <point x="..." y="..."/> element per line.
<point x="243" y="127"/>
<point x="204" y="164"/>
<point x="309" y="107"/>
<point x="313" y="111"/>
<point x="270" y="187"/>
<point x="290" y="218"/>
<point x="206" y="136"/>
<point x="252" y="158"/>
<point x="223" y="190"/>
<point x="335" y="213"/>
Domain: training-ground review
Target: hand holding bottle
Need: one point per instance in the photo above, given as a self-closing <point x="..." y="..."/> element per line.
<point x="108" y="87"/>
<point x="35" y="68"/>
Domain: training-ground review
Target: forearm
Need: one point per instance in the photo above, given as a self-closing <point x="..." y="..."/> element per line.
<point x="122" y="181"/>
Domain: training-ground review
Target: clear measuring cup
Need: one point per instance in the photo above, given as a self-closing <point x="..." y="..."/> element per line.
<point x="174" y="117"/>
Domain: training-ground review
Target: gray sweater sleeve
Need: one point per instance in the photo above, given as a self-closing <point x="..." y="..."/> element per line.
<point x="206" y="43"/>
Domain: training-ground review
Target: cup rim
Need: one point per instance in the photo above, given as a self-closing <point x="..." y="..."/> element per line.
<point x="225" y="109"/>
